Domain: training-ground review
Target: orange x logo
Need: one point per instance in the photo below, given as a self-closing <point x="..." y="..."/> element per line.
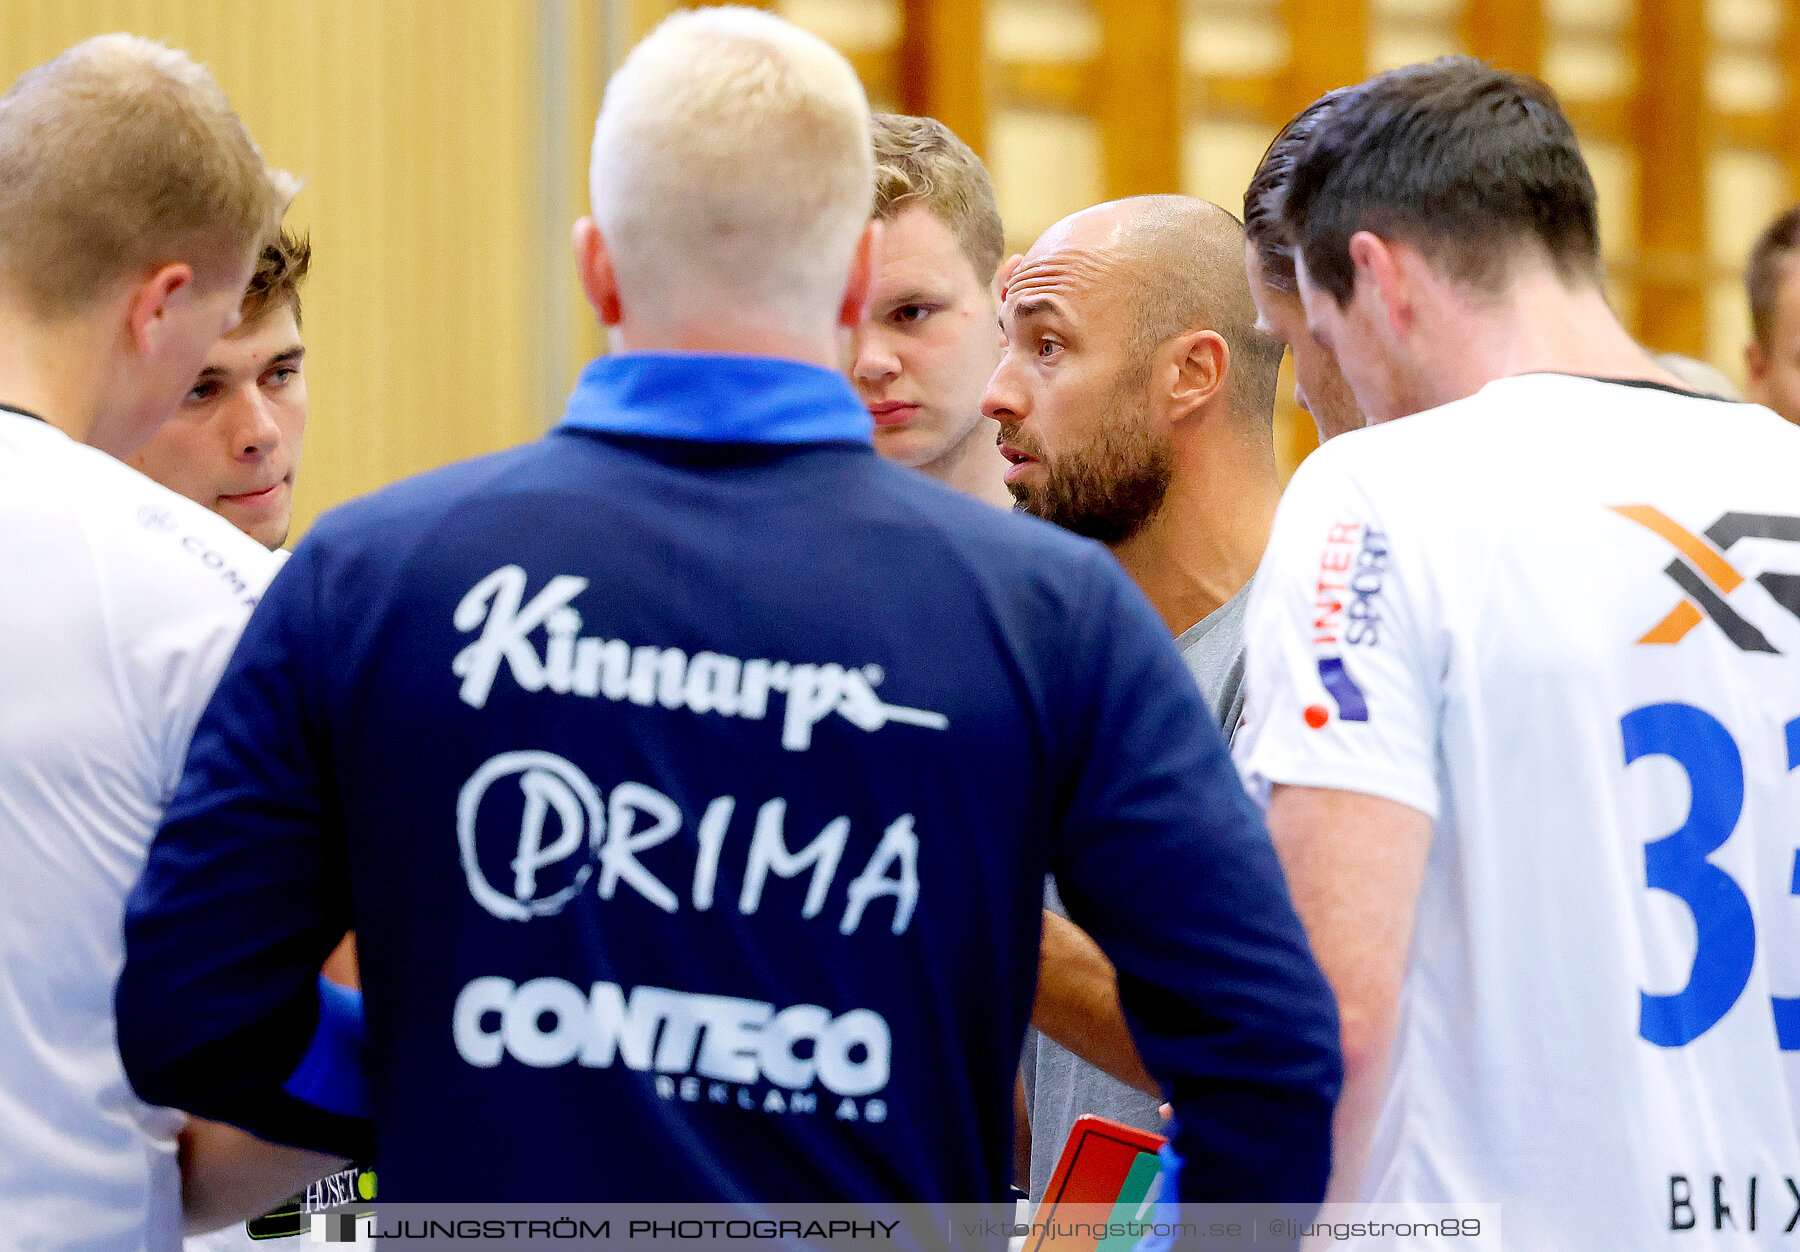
<point x="1701" y="556"/>
<point x="1706" y="577"/>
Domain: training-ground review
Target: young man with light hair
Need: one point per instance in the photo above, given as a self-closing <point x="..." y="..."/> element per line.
<point x="658" y="756"/>
<point x="234" y="444"/>
<point x="928" y="345"/>
<point x="1524" y="697"/>
<point x="132" y="208"/>
<point x="1136" y="402"/>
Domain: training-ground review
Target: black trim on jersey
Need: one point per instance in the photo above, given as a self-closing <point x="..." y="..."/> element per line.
<point x="13" y="408"/>
<point x="1651" y="386"/>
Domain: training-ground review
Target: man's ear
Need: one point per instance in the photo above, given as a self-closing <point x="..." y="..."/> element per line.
<point x="594" y="264"/>
<point x="162" y="293"/>
<point x="855" y="307"/>
<point x="1381" y="264"/>
<point x="1202" y="363"/>
<point x="1756" y="370"/>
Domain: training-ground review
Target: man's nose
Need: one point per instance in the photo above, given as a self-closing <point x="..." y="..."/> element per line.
<point x="254" y="431"/>
<point x="1003" y="399"/>
<point x="875" y="360"/>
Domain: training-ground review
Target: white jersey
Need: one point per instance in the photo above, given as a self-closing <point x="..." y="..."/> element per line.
<point x="122" y="604"/>
<point x="1546" y="616"/>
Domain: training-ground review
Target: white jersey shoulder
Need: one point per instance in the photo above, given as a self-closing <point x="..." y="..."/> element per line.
<point x="1562" y="618"/>
<point x="124" y="601"/>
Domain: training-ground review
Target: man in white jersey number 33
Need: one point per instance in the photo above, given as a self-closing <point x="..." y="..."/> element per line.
<point x="1524" y="698"/>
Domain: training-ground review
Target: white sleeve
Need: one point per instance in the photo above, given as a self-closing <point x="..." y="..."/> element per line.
<point x="1343" y="660"/>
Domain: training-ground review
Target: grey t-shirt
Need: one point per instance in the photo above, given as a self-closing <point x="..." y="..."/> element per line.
<point x="1059" y="1086"/>
<point x="1213" y="648"/>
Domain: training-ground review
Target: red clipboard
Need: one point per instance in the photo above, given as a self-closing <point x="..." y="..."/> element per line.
<point x="1098" y="1159"/>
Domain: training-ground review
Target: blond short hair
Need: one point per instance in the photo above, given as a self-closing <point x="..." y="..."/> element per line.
<point x="920" y="161"/>
<point x="731" y="171"/>
<point x="118" y="156"/>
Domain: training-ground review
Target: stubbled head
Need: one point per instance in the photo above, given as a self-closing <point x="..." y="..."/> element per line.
<point x="234" y="444"/>
<point x="928" y="345"/>
<point x="732" y="173"/>
<point x="1129" y="331"/>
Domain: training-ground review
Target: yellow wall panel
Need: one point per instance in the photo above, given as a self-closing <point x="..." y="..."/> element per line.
<point x="850" y="25"/>
<point x="416" y="128"/>
<point x="1044" y="167"/>
<point x="1239" y="41"/>
<point x="1391" y="46"/>
<point x="581" y="45"/>
<point x="1728" y="327"/>
<point x="1219" y="158"/>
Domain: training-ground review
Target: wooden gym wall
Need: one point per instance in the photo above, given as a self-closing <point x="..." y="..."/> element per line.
<point x="444" y="147"/>
<point x="1689" y="112"/>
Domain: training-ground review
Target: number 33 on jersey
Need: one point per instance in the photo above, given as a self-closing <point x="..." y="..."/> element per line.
<point x="1682" y="863"/>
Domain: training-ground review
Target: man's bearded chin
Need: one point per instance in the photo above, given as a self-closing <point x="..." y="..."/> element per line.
<point x="1107" y="490"/>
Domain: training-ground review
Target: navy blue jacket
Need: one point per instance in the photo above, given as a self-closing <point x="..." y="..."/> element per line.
<point x="689" y="777"/>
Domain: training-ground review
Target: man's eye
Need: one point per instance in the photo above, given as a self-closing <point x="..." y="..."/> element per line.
<point x="201" y="393"/>
<point x="284" y="374"/>
<point x="911" y="314"/>
<point x="1047" y="348"/>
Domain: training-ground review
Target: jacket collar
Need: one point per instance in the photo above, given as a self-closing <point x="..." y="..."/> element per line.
<point x="716" y="398"/>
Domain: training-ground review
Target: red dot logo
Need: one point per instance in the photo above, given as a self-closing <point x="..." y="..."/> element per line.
<point x="1317" y="715"/>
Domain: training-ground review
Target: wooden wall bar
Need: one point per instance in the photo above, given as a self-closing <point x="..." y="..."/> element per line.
<point x="1670" y="121"/>
<point x="1330" y="43"/>
<point x="942" y="70"/>
<point x="1506" y="33"/>
<point x="1787" y="133"/>
<point x="1139" y="98"/>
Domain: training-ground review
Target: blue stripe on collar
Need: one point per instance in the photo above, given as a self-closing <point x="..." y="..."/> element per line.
<point x="717" y="398"/>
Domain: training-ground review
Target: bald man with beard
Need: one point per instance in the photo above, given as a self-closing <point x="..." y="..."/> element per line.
<point x="1136" y="403"/>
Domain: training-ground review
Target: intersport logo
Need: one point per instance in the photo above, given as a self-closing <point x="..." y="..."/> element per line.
<point x="646" y="675"/>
